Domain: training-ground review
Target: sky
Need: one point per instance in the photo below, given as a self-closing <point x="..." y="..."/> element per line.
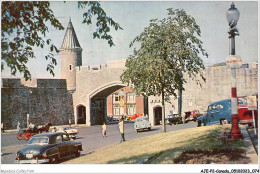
<point x="134" y="16"/>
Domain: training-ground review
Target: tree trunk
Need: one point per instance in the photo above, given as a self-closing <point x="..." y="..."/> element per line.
<point x="163" y="112"/>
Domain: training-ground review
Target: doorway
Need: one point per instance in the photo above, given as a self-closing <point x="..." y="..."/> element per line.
<point x="157" y="115"/>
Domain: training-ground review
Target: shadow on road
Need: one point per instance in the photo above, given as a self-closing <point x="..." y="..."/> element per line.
<point x="6" y="154"/>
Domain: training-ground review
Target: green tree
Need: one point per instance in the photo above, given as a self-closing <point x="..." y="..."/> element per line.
<point x="166" y="49"/>
<point x="25" y="24"/>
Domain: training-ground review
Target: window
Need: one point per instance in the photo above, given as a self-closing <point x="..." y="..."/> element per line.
<point x="58" y="139"/>
<point x="65" y="138"/>
<point x="131" y="109"/>
<point x="116" y="98"/>
<point x="118" y="110"/>
<point x="130" y="98"/>
<point x="218" y="106"/>
<point x="70" y="67"/>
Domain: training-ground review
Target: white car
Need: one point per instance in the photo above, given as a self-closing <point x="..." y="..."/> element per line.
<point x="73" y="133"/>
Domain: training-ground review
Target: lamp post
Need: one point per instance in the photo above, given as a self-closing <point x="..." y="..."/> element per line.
<point x="233" y="62"/>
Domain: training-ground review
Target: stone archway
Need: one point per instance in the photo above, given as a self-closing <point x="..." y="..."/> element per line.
<point x="157" y="113"/>
<point x="81" y="114"/>
<point x="98" y="104"/>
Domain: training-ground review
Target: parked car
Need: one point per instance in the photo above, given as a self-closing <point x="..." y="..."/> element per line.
<point x="220" y="112"/>
<point x="73" y="133"/>
<point x="142" y="123"/>
<point x="48" y="148"/>
<point x="173" y="119"/>
<point x="192" y="115"/>
<point x="133" y="117"/>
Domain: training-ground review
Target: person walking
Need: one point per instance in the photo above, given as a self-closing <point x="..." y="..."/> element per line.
<point x="70" y="122"/>
<point x="104" y="129"/>
<point x="18" y="125"/>
<point x="121" y="129"/>
<point x="2" y="127"/>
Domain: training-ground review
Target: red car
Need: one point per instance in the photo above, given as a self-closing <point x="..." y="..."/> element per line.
<point x="245" y="115"/>
<point x="133" y="117"/>
<point x="192" y="115"/>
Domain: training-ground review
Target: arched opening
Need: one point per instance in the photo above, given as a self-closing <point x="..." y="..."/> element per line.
<point x="157" y="111"/>
<point x="81" y="113"/>
<point x="98" y="105"/>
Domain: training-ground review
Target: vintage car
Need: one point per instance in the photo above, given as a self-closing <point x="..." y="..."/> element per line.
<point x="73" y="133"/>
<point x="220" y="112"/>
<point x="133" y="117"/>
<point x="172" y="119"/>
<point x="48" y="148"/>
<point x="192" y="115"/>
<point x="142" y="123"/>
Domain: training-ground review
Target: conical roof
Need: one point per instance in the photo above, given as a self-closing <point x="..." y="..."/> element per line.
<point x="70" y="40"/>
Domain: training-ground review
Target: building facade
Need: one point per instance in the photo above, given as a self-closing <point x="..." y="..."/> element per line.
<point x="128" y="104"/>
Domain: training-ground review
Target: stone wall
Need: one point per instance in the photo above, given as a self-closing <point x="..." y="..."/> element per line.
<point x="218" y="87"/>
<point x="46" y="100"/>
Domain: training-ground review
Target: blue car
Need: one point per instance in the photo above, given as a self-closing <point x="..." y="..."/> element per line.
<point x="218" y="112"/>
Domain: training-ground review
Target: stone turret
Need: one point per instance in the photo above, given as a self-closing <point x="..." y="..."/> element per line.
<point x="71" y="56"/>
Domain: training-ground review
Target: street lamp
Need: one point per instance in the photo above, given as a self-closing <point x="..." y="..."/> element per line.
<point x="233" y="62"/>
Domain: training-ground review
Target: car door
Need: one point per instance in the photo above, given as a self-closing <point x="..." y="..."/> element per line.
<point x="210" y="115"/>
<point x="60" y="145"/>
<point x="66" y="144"/>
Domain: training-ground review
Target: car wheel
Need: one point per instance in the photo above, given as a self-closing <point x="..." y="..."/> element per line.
<point x="54" y="159"/>
<point x="149" y="129"/>
<point x="223" y="121"/>
<point x="77" y="153"/>
<point x="19" y="136"/>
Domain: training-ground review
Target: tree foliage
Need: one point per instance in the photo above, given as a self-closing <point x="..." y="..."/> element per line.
<point x="167" y="49"/>
<point x="25" y="25"/>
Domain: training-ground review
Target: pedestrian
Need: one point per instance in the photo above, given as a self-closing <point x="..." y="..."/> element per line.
<point x="121" y="129"/>
<point x="104" y="129"/>
<point x="70" y="122"/>
<point x="2" y="127"/>
<point x="18" y="125"/>
<point x="54" y="129"/>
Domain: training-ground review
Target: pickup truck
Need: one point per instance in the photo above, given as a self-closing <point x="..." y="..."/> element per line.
<point x="192" y="115"/>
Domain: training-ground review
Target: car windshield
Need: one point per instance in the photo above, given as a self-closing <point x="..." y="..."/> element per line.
<point x="242" y="101"/>
<point x="142" y="119"/>
<point x="39" y="140"/>
<point x="67" y="128"/>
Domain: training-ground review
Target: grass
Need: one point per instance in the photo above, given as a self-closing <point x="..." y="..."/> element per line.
<point x="161" y="148"/>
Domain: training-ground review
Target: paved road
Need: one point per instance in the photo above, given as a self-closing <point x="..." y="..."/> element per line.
<point x="90" y="137"/>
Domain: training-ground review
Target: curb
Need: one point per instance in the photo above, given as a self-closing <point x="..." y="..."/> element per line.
<point x="256" y="150"/>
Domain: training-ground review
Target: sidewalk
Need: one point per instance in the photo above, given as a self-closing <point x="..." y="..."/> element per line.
<point x="250" y="144"/>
